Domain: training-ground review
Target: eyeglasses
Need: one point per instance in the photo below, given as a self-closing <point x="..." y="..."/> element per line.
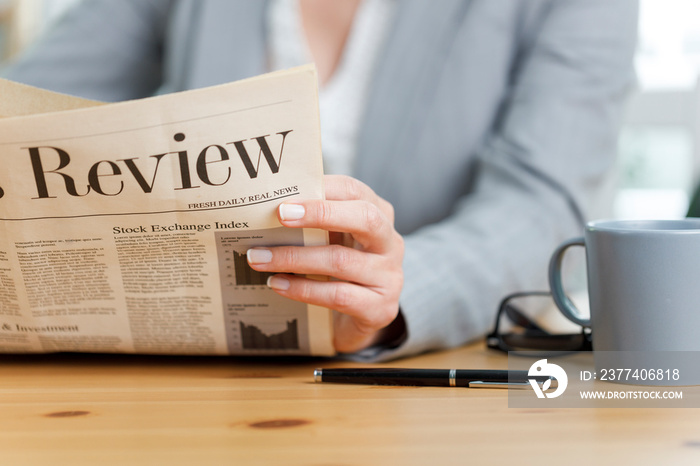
<point x="526" y="334"/>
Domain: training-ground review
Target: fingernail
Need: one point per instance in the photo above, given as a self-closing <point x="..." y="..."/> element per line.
<point x="259" y="256"/>
<point x="291" y="211"/>
<point x="277" y="283"/>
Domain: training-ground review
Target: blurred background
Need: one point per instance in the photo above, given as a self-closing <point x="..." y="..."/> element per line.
<point x="659" y="144"/>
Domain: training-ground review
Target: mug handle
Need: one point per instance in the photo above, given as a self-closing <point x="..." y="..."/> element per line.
<point x="555" y="283"/>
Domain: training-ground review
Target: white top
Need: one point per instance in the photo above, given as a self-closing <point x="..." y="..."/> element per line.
<point x="342" y="100"/>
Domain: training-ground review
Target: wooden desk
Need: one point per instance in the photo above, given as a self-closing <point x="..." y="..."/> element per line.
<point x="104" y="410"/>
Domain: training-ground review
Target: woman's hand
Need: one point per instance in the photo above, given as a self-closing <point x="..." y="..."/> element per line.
<point x="365" y="259"/>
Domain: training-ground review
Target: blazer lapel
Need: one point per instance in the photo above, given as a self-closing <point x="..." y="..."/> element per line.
<point x="404" y="80"/>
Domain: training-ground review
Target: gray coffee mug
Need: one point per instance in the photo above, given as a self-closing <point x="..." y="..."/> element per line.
<point x="643" y="284"/>
<point x="644" y="293"/>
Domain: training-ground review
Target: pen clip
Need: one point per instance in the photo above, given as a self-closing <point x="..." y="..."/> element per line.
<point x="518" y="385"/>
<point x="485" y="384"/>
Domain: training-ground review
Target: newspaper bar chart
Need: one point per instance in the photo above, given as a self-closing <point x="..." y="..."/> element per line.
<point x="256" y="338"/>
<point x="259" y="320"/>
<point x="245" y="275"/>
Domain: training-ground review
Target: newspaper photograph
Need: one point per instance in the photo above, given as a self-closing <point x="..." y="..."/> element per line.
<point x="124" y="227"/>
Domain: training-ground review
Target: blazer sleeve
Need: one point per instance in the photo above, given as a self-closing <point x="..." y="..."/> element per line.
<point x="536" y="174"/>
<point x="100" y="49"/>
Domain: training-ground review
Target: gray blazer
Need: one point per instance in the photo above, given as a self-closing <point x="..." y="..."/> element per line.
<point x="490" y="125"/>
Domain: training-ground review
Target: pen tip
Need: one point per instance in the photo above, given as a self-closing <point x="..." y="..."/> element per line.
<point x="318" y="375"/>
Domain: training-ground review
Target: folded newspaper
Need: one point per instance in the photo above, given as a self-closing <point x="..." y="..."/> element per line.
<point x="124" y="227"/>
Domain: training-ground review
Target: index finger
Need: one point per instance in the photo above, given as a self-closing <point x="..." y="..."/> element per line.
<point x="363" y="220"/>
<point x="346" y="188"/>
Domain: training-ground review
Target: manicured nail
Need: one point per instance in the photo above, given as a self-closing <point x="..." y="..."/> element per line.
<point x="259" y="256"/>
<point x="291" y="211"/>
<point x="277" y="283"/>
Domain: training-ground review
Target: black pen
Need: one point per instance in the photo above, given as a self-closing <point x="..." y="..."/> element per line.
<point x="470" y="378"/>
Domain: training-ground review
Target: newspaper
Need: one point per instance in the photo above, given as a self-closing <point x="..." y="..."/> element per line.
<point x="124" y="227"/>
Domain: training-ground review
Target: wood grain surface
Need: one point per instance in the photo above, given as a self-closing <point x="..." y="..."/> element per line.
<point x="133" y="410"/>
